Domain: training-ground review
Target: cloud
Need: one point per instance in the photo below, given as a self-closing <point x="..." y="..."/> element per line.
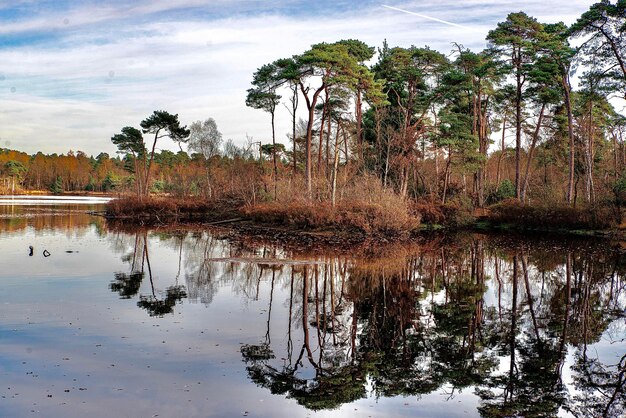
<point x="110" y="65"/>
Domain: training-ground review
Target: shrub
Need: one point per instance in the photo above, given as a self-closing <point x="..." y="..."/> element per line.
<point x="505" y="190"/>
<point x="158" y="186"/>
<point x="362" y="216"/>
<point x="554" y="216"/>
<point x="458" y="213"/>
<point x="134" y="207"/>
<point x="430" y="213"/>
<point x="57" y="186"/>
<point x="365" y="206"/>
<point x="619" y="189"/>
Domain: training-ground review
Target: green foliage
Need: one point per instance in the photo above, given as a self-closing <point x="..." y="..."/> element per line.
<point x="158" y="186"/>
<point x="57" y="186"/>
<point x="604" y="49"/>
<point x="130" y="141"/>
<point x="110" y="182"/>
<point x="162" y="123"/>
<point x="91" y="186"/>
<point x="263" y="94"/>
<point x="15" y="169"/>
<point x="506" y="190"/>
<point x="516" y="38"/>
<point x="166" y="158"/>
<point x="620" y="190"/>
<point x="358" y="49"/>
<point x="268" y="149"/>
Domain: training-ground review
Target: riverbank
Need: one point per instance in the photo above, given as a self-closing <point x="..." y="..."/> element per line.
<point x="323" y="224"/>
<point x="291" y="224"/>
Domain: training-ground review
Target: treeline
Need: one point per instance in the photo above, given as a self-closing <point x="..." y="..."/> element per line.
<point x="428" y="133"/>
<point x="404" y="130"/>
<point x="74" y="171"/>
<point x="438" y="126"/>
<point x="78" y="172"/>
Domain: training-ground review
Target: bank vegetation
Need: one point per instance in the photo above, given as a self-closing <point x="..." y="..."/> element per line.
<point x="384" y="138"/>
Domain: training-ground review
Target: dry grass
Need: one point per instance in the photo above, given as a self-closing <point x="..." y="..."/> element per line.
<point x="364" y="217"/>
<point x="364" y="206"/>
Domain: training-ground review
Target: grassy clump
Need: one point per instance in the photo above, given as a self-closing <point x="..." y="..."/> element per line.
<point x="366" y="217"/>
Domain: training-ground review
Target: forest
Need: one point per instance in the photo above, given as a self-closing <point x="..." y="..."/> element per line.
<point x="531" y="129"/>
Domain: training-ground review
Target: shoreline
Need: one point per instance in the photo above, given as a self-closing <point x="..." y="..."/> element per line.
<point x="232" y="217"/>
<point x="239" y="221"/>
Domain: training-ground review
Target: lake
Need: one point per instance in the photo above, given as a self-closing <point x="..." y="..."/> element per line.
<point x="100" y="320"/>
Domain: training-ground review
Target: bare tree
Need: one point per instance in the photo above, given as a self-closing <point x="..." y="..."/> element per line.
<point x="205" y="139"/>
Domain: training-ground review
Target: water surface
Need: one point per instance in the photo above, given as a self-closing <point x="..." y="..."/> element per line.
<point x="113" y="322"/>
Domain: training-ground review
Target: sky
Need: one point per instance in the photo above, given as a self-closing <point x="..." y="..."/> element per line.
<point x="73" y="73"/>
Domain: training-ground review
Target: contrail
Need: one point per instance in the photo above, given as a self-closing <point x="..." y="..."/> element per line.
<point x="427" y="17"/>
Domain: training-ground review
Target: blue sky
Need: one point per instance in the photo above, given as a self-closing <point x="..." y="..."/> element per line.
<point x="73" y="73"/>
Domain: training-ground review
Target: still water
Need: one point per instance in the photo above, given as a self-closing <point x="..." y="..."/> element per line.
<point x="103" y="321"/>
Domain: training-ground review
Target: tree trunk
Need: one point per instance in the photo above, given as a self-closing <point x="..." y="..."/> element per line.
<point x="359" y="124"/>
<point x="589" y="157"/>
<point x="436" y="171"/>
<point x="446" y="176"/>
<point x="518" y="124"/>
<point x="501" y="156"/>
<point x="137" y="179"/>
<point x="483" y="144"/>
<point x="274" y="156"/>
<point x="379" y="144"/>
<point x="531" y="150"/>
<point x="294" y="108"/>
<point x="615" y="159"/>
<point x="335" y="166"/>
<point x="310" y="103"/>
<point x="570" y="134"/>
<point x="321" y="144"/>
<point x="404" y="182"/>
<point x="147" y="179"/>
<point x="328" y="134"/>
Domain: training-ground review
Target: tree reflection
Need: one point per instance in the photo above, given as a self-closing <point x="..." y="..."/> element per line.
<point x="160" y="307"/>
<point x="522" y="325"/>
<point x="575" y="313"/>
<point x="422" y="322"/>
<point x="601" y="386"/>
<point x="129" y="284"/>
<point x="333" y="382"/>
